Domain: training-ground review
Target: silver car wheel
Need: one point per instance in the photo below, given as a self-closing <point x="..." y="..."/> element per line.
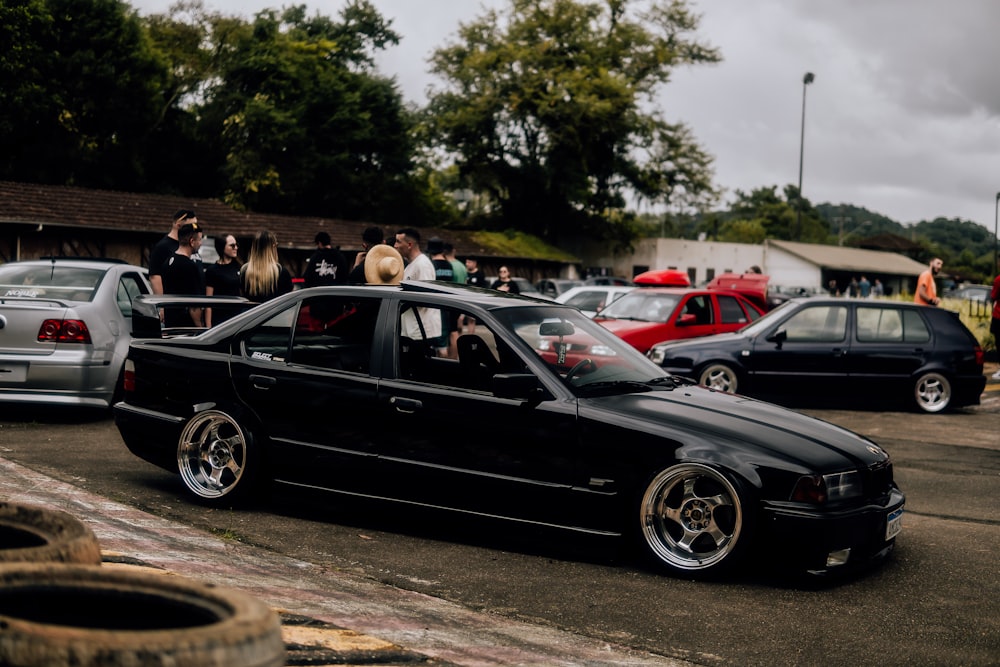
<point x="212" y="454"/>
<point x="720" y="377"/>
<point x="691" y="517"/>
<point x="932" y="392"/>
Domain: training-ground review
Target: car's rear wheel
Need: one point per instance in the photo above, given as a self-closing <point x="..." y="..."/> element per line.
<point x="720" y="377"/>
<point x="694" y="520"/>
<point x="217" y="457"/>
<point x="932" y="392"/>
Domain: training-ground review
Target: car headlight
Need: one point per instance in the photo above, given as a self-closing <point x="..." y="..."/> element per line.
<point x="657" y="355"/>
<point x="823" y="489"/>
<point x="602" y="351"/>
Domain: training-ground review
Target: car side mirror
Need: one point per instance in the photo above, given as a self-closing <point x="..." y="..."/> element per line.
<point x="519" y="386"/>
<point x="778" y="337"/>
<point x="687" y="319"/>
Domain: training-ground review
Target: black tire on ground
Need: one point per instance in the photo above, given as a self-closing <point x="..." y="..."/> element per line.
<point x="84" y="615"/>
<point x="40" y="535"/>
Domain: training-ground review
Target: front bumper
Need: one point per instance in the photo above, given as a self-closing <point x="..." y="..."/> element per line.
<point x="807" y="538"/>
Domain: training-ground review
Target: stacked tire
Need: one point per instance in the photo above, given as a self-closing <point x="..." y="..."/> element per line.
<point x="59" y="607"/>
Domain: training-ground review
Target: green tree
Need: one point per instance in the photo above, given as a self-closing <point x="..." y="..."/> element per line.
<point x="305" y="124"/>
<point x="79" y="94"/>
<point x="764" y="209"/>
<point x="548" y="109"/>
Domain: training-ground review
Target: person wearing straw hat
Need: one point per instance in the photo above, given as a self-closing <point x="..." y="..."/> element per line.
<point x="383" y="266"/>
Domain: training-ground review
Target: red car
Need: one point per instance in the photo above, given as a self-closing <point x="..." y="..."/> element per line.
<point x="649" y="315"/>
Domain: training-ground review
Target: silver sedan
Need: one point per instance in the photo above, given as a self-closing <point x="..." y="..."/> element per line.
<point x="65" y="328"/>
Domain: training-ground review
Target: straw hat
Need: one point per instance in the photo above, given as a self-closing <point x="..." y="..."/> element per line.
<point x="383" y="265"/>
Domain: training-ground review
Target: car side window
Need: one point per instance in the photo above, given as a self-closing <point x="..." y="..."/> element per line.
<point x="701" y="307"/>
<point x="269" y="341"/>
<point x="129" y="287"/>
<point x="879" y="325"/>
<point x="466" y="356"/>
<point x="730" y="311"/>
<point x="335" y="332"/>
<point x="914" y="328"/>
<point x="817" y="324"/>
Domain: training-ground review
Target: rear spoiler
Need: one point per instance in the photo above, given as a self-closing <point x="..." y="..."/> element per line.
<point x="146" y="312"/>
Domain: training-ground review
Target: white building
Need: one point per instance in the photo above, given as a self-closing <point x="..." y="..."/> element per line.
<point x="791" y="265"/>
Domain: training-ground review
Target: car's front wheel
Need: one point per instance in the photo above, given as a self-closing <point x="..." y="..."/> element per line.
<point x="932" y="392"/>
<point x="217" y="457"/>
<point x="694" y="520"/>
<point x="720" y="377"/>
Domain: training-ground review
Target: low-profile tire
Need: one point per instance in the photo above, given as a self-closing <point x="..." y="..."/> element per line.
<point x="218" y="458"/>
<point x="41" y="535"/>
<point x="932" y="392"/>
<point x="86" y="615"/>
<point x="695" y="521"/>
<point x="719" y="376"/>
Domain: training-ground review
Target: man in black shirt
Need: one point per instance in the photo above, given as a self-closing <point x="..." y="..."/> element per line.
<point x="166" y="247"/>
<point x="326" y="266"/>
<point x="475" y="277"/>
<point x="181" y="275"/>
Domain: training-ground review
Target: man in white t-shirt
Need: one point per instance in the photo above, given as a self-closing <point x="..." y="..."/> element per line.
<point x="418" y="267"/>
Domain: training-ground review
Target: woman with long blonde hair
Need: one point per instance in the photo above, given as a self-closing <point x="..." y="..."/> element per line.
<point x="263" y="277"/>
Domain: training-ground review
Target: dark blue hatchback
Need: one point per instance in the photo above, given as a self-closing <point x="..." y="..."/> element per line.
<point x="841" y="350"/>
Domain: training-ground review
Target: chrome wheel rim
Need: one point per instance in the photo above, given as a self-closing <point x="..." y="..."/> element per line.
<point x="211" y="454"/>
<point x="719" y="377"/>
<point x="933" y="392"/>
<point x="691" y="517"/>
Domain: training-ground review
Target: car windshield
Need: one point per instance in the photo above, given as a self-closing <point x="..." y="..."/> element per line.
<point x="579" y="351"/>
<point x="49" y="281"/>
<point x="640" y="305"/>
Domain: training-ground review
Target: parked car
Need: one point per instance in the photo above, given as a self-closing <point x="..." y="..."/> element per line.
<point x="65" y="329"/>
<point x="525" y="287"/>
<point x="592" y="299"/>
<point x="335" y="389"/>
<point x="553" y="287"/>
<point x="621" y="281"/>
<point x="824" y="349"/>
<point x="649" y="315"/>
<point x="970" y="293"/>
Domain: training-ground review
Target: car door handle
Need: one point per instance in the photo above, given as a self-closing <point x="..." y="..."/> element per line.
<point x="262" y="381"/>
<point x="407" y="405"/>
<point x="839" y="352"/>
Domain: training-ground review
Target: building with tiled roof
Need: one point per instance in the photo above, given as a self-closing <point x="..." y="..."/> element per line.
<point x="51" y="220"/>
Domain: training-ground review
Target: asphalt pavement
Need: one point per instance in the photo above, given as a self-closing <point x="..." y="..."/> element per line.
<point x="328" y="617"/>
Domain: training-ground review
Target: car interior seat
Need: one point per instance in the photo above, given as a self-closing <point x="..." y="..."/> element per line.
<point x="476" y="360"/>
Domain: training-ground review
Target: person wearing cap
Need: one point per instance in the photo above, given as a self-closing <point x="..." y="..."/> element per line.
<point x="383" y="266"/>
<point x="371" y="237"/>
<point x="166" y="247"/>
<point x="326" y="266"/>
<point x="181" y="275"/>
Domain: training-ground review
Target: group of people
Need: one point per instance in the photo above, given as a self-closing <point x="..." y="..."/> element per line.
<point x="862" y="288"/>
<point x="176" y="267"/>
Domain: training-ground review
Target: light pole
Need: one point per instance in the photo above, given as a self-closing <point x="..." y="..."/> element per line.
<point x="806" y="80"/>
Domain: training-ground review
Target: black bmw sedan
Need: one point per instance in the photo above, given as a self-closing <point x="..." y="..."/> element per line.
<point x="341" y="389"/>
<point x="829" y="349"/>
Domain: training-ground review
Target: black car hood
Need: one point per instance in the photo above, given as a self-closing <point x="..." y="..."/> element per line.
<point x="694" y="414"/>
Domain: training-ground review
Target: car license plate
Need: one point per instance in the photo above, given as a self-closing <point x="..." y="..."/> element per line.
<point x="893" y="524"/>
<point x="11" y="373"/>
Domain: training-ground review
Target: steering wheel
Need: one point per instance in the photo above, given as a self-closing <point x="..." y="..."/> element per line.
<point x="579" y="366"/>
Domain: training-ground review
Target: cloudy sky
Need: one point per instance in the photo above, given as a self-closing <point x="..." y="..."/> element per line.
<point x="903" y="117"/>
